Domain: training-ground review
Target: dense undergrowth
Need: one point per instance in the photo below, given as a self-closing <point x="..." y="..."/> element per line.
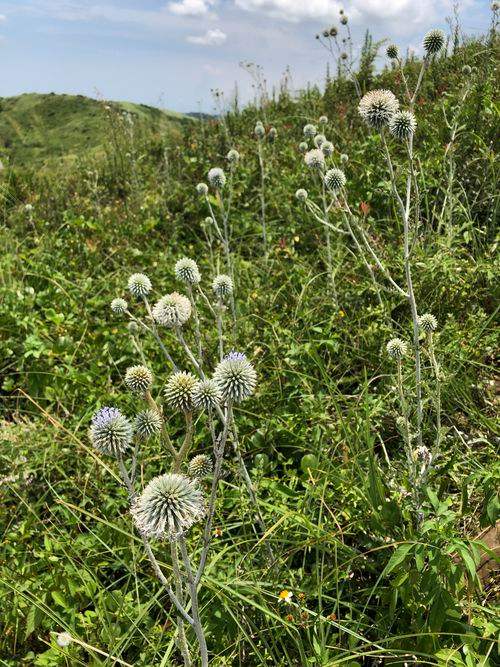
<point x="369" y="585"/>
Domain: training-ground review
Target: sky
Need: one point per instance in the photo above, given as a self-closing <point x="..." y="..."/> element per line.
<point x="172" y="54"/>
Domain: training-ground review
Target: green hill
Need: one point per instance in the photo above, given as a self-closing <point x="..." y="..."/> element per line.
<point x="36" y="129"/>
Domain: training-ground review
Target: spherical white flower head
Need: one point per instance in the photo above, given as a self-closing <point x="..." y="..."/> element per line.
<point x="344" y="158"/>
<point x="396" y="348"/>
<point x="119" y="306"/>
<point x="323" y="120"/>
<point x="315" y="159"/>
<point x="139" y="379"/>
<point x="139" y="285"/>
<point x="301" y="194"/>
<point x="64" y="639"/>
<point x="433" y="41"/>
<point x="110" y="432"/>
<point x="222" y="286"/>
<point x="259" y="130"/>
<point x="187" y="270"/>
<point x="233" y="156"/>
<point x="169" y="505"/>
<point x="402" y="125"/>
<point x="272" y="135"/>
<point x="467" y="70"/>
<point x="377" y="107"/>
<point x="202" y="189"/>
<point x="303" y="147"/>
<point x="133" y="327"/>
<point x="217" y="178"/>
<point x="147" y="424"/>
<point x="309" y="130"/>
<point x="392" y="51"/>
<point x="206" y="395"/>
<point x="427" y="322"/>
<point x="179" y="391"/>
<point x="236" y="377"/>
<point x="327" y="148"/>
<point x="335" y="179"/>
<point x="172" y="310"/>
<point x="319" y="140"/>
<point x="200" y="466"/>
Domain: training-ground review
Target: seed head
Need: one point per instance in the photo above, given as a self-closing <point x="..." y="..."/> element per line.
<point x="392" y="52"/>
<point x="335" y="179"/>
<point x="222" y="286"/>
<point x="217" y="178"/>
<point x="138" y="379"/>
<point x="119" y="306"/>
<point x="172" y="310"/>
<point x="233" y="156"/>
<point x="259" y="130"/>
<point x="147" y="424"/>
<point x="139" y="285"/>
<point x="235" y="377"/>
<point x="179" y="391"/>
<point x="323" y="120"/>
<point x="200" y="466"/>
<point x="110" y="432"/>
<point x="396" y="348"/>
<point x="133" y="327"/>
<point x="344" y="158"/>
<point x="206" y="395"/>
<point x="427" y="322"/>
<point x="433" y="41"/>
<point x="327" y="148"/>
<point x="309" y="130"/>
<point x="187" y="270"/>
<point x="301" y="194"/>
<point x="315" y="159"/>
<point x="202" y="189"/>
<point x="303" y="147"/>
<point x="378" y="107"/>
<point x="467" y="70"/>
<point x="169" y="505"/>
<point x="272" y="135"/>
<point x="319" y="140"/>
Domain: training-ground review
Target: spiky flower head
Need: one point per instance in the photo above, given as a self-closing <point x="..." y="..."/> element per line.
<point x="344" y="55"/>
<point x="110" y="431"/>
<point x="119" y="306"/>
<point x="402" y="125"/>
<point x="303" y="146"/>
<point x="206" y="395"/>
<point x="335" y="179"/>
<point x="133" y="327"/>
<point x="315" y="159"/>
<point x="259" y="130"/>
<point x="467" y="70"/>
<point x="323" y="120"/>
<point x="344" y="158"/>
<point x="377" y="107"/>
<point x="326" y="33"/>
<point x="333" y="31"/>
<point x="301" y="194"/>
<point x="147" y="424"/>
<point x="168" y="506"/>
<point x="327" y="148"/>
<point x="236" y="377"/>
<point x="233" y="156"/>
<point x="172" y="310"/>
<point x="272" y="135"/>
<point x="202" y="189"/>
<point x="494" y="6"/>
<point x="343" y="19"/>
<point x="138" y="379"/>
<point x="396" y="348"/>
<point x="433" y="41"/>
<point x="392" y="52"/>
<point x="187" y="270"/>
<point x="319" y="140"/>
<point x="427" y="322"/>
<point x="179" y="391"/>
<point x="139" y="285"/>
<point x="217" y="178"/>
<point x="200" y="466"/>
<point x="222" y="286"/>
<point x="309" y="130"/>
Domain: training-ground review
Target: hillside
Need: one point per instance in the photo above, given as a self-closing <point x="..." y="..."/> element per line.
<point x="40" y="128"/>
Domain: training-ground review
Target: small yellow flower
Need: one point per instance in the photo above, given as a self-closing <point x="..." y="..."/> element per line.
<point x="341" y="313"/>
<point x="296" y="239"/>
<point x="285" y="596"/>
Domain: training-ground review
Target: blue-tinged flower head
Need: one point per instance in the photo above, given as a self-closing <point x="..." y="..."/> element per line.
<point x="110" y="431"/>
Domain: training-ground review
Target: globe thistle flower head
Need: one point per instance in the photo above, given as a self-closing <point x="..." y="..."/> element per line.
<point x="272" y="135"/>
<point x="179" y="391"/>
<point x="327" y="148"/>
<point x="202" y="189"/>
<point x="494" y="6"/>
<point x="233" y="157"/>
<point x="172" y="310"/>
<point x="433" y="41"/>
<point x="138" y="379"/>
<point x="236" y="377"/>
<point x="200" y="466"/>
<point x="64" y="639"/>
<point x="315" y="159"/>
<point x="333" y="31"/>
<point x="344" y="158"/>
<point x="259" y="130"/>
<point x="206" y="395"/>
<point x="139" y="285"/>
<point x="133" y="327"/>
<point x="335" y="179"/>
<point x="377" y="107"/>
<point x="396" y="348"/>
<point x="147" y="424"/>
<point x="301" y="194"/>
<point x="319" y="140"/>
<point x="110" y="432"/>
<point x="402" y="125"/>
<point x="326" y="34"/>
<point x="168" y="506"/>
<point x="217" y="178"/>
<point x="119" y="306"/>
<point x="222" y="286"/>
<point x="427" y="322"/>
<point x="323" y="120"/>
<point x="343" y="19"/>
<point x="467" y="70"/>
<point x="343" y="55"/>
<point x="303" y="147"/>
<point x="309" y="130"/>
<point x="187" y="270"/>
<point x="392" y="51"/>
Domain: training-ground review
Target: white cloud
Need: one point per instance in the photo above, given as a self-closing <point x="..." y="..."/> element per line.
<point x="190" y="7"/>
<point x="2" y="18"/>
<point x="211" y="38"/>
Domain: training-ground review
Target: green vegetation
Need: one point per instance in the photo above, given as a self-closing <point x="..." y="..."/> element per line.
<point x="369" y="580"/>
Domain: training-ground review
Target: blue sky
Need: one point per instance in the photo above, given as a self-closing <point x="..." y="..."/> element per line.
<point x="172" y="53"/>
